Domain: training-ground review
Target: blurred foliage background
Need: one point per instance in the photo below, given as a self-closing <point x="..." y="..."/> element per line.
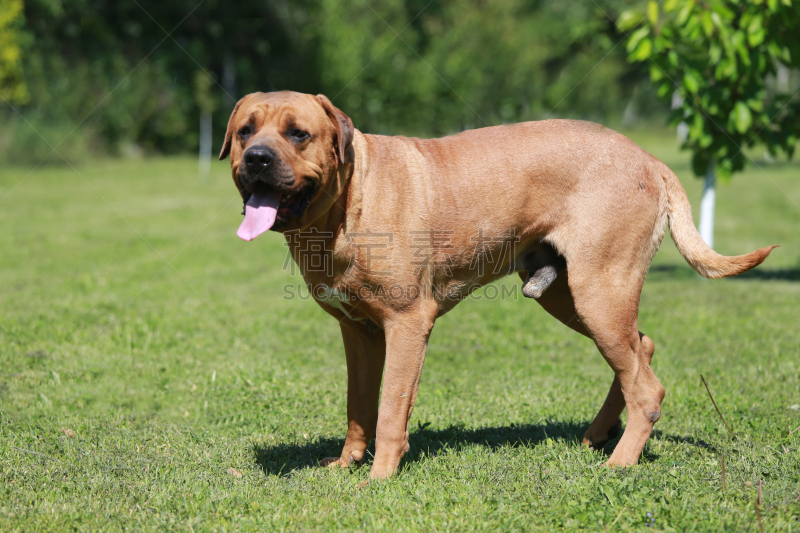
<point x="730" y="68"/>
<point x="129" y="77"/>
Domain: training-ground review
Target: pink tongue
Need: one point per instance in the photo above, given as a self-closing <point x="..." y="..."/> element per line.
<point x="259" y="215"/>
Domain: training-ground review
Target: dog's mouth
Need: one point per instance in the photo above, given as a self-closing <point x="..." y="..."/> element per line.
<point x="267" y="208"/>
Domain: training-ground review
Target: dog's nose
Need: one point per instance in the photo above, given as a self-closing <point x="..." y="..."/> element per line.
<point x="258" y="158"/>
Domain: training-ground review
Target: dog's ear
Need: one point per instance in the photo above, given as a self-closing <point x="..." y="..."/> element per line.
<point x="344" y="129"/>
<point x="226" y="146"/>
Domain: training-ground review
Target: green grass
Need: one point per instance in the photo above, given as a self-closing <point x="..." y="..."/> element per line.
<point x="133" y="316"/>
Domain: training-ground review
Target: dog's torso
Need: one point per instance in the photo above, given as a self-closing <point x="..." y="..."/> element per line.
<point x="438" y="218"/>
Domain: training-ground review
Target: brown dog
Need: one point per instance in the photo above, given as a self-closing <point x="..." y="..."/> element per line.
<point x="391" y="232"/>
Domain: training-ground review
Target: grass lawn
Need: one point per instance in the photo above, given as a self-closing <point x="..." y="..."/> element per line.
<point x="146" y="351"/>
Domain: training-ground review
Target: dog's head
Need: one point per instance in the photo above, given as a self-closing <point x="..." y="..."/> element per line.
<point x="289" y="156"/>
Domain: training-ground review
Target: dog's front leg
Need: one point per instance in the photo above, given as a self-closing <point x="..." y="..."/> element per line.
<point x="365" y="351"/>
<point x="406" y="342"/>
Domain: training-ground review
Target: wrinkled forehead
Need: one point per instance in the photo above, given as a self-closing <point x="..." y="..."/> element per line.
<point x="282" y="109"/>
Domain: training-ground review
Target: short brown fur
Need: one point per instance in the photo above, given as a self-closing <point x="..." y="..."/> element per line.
<point x="591" y="194"/>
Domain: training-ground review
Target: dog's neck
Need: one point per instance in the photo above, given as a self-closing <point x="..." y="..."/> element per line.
<point x="348" y="207"/>
<point x="345" y="212"/>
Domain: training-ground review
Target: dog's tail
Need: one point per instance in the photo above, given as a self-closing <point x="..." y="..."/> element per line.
<point x="691" y="245"/>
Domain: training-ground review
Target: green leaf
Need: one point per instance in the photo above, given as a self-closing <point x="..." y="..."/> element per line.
<point x="774" y="49"/>
<point x="727" y="68"/>
<point x="685" y="12"/>
<point x="698" y="132"/>
<point x="724" y="170"/>
<point x="738" y="41"/>
<point x="691" y="82"/>
<point x="642" y="51"/>
<point x="655" y="72"/>
<point x="756" y="23"/>
<point x="676" y="117"/>
<point x="629" y="19"/>
<point x="756" y="31"/>
<point x="762" y="63"/>
<point x="741" y="116"/>
<point x="673" y="58"/>
<point x="715" y="18"/>
<point x="700" y="161"/>
<point x="660" y="44"/>
<point x="708" y="24"/>
<point x="757" y="37"/>
<point x="714" y="53"/>
<point x="693" y="29"/>
<point x="652" y="12"/>
<point x="755" y="104"/>
<point x="636" y="38"/>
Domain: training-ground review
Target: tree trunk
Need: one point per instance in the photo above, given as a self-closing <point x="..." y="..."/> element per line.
<point x="229" y="77"/>
<point x="204" y="163"/>
<point x="707" y="206"/>
<point x="683" y="127"/>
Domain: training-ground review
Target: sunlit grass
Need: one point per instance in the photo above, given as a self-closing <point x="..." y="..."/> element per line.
<point x="133" y="316"/>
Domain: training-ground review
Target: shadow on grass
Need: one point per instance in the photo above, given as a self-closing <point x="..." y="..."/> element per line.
<point x="283" y="458"/>
<point x="759" y="273"/>
<point x="670" y="272"/>
<point x="775" y="274"/>
<point x="691" y="441"/>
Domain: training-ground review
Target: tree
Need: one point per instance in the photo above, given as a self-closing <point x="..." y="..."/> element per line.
<point x="125" y="73"/>
<point x="12" y="84"/>
<point x="423" y="67"/>
<point x="729" y="60"/>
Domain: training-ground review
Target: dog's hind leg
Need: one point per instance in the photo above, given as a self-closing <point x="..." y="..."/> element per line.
<point x="607" y="424"/>
<point x="608" y="310"/>
<point x="558" y="301"/>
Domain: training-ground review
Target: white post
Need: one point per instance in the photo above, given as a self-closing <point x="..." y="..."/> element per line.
<point x="707" y="206"/>
<point x="204" y="163"/>
<point x="683" y="127"/>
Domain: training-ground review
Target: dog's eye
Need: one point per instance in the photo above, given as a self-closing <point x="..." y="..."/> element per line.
<point x="245" y="132"/>
<point x="299" y="135"/>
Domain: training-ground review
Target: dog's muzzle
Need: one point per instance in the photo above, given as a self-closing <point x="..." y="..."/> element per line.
<point x="272" y="195"/>
<point x="257" y="158"/>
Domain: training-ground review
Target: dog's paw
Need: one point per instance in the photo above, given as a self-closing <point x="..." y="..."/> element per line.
<point x="599" y="442"/>
<point x="332" y="461"/>
<point x="594" y="446"/>
<point x="617" y="463"/>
